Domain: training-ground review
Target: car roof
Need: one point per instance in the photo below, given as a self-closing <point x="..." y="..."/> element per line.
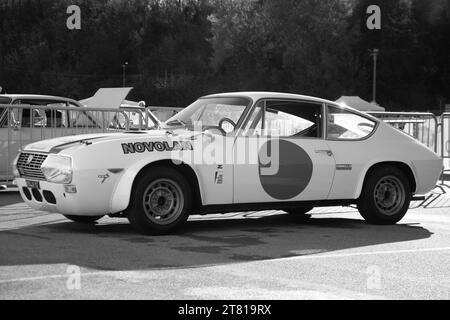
<point x="39" y="97"/>
<point x="256" y="95"/>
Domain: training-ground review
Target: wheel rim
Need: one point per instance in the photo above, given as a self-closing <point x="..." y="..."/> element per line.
<point x="389" y="195"/>
<point x="163" y="201"/>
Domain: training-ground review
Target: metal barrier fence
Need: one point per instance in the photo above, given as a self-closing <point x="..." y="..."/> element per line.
<point x="24" y="124"/>
<point x="445" y="143"/>
<point x="427" y="128"/>
<point x="423" y="126"/>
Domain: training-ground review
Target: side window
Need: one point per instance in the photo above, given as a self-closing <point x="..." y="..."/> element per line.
<point x="346" y="125"/>
<point x="3" y="117"/>
<point x="254" y="123"/>
<point x="280" y="118"/>
<point x="13" y="117"/>
<point x="33" y="117"/>
<point x="56" y="118"/>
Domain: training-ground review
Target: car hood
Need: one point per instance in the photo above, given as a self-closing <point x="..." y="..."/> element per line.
<point x="57" y="144"/>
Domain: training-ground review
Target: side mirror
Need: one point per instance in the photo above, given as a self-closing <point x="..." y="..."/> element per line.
<point x="226" y="125"/>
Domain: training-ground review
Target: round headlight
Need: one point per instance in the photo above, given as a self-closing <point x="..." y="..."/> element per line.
<point x="57" y="168"/>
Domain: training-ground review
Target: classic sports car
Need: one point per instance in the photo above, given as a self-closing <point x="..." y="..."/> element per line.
<point x="231" y="152"/>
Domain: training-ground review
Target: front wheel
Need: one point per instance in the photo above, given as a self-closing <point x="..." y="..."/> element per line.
<point x="385" y="196"/>
<point x="160" y="202"/>
<point x="83" y="219"/>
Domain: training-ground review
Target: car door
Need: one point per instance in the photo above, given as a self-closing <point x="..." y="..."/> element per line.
<point x="213" y="143"/>
<point x="286" y="155"/>
<point x="347" y="134"/>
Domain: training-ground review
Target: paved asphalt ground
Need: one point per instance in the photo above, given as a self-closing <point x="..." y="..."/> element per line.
<point x="256" y="255"/>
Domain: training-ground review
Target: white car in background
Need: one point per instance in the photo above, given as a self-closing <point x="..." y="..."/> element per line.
<point x="310" y="152"/>
<point x="21" y="126"/>
<point x="59" y="116"/>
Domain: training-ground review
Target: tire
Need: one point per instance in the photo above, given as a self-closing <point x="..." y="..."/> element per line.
<point x="300" y="211"/>
<point x="385" y="196"/>
<point x="160" y="202"/>
<point x="83" y="219"/>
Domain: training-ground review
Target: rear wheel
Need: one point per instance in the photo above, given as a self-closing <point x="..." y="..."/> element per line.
<point x="160" y="202"/>
<point x="385" y="196"/>
<point x="83" y="219"/>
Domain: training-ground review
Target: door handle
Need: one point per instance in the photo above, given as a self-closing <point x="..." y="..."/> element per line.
<point x="327" y="152"/>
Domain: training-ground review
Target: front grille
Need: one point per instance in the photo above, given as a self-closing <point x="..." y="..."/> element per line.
<point x="31" y="169"/>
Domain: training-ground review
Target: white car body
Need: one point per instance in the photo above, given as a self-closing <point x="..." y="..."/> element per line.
<point x="105" y="166"/>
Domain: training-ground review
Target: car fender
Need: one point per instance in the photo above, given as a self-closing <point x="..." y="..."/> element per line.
<point x="370" y="164"/>
<point x="120" y="197"/>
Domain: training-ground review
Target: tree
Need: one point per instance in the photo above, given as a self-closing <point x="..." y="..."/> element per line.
<point x="413" y="63"/>
<point x="295" y="46"/>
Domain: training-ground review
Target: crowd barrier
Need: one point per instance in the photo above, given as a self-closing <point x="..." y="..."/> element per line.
<point x="423" y="126"/>
<point x="445" y="144"/>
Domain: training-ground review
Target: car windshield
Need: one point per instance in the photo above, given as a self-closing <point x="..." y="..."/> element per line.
<point x="208" y="112"/>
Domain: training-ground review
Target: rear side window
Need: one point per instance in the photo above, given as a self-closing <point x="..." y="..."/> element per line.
<point x="345" y="125"/>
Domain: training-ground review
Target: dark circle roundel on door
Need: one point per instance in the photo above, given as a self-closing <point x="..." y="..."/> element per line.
<point x="284" y="169"/>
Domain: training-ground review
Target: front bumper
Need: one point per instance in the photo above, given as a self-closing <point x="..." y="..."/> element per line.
<point x="92" y="197"/>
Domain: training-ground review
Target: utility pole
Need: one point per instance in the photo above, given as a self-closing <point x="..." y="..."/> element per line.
<point x="374" y="53"/>
<point x="124" y="66"/>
